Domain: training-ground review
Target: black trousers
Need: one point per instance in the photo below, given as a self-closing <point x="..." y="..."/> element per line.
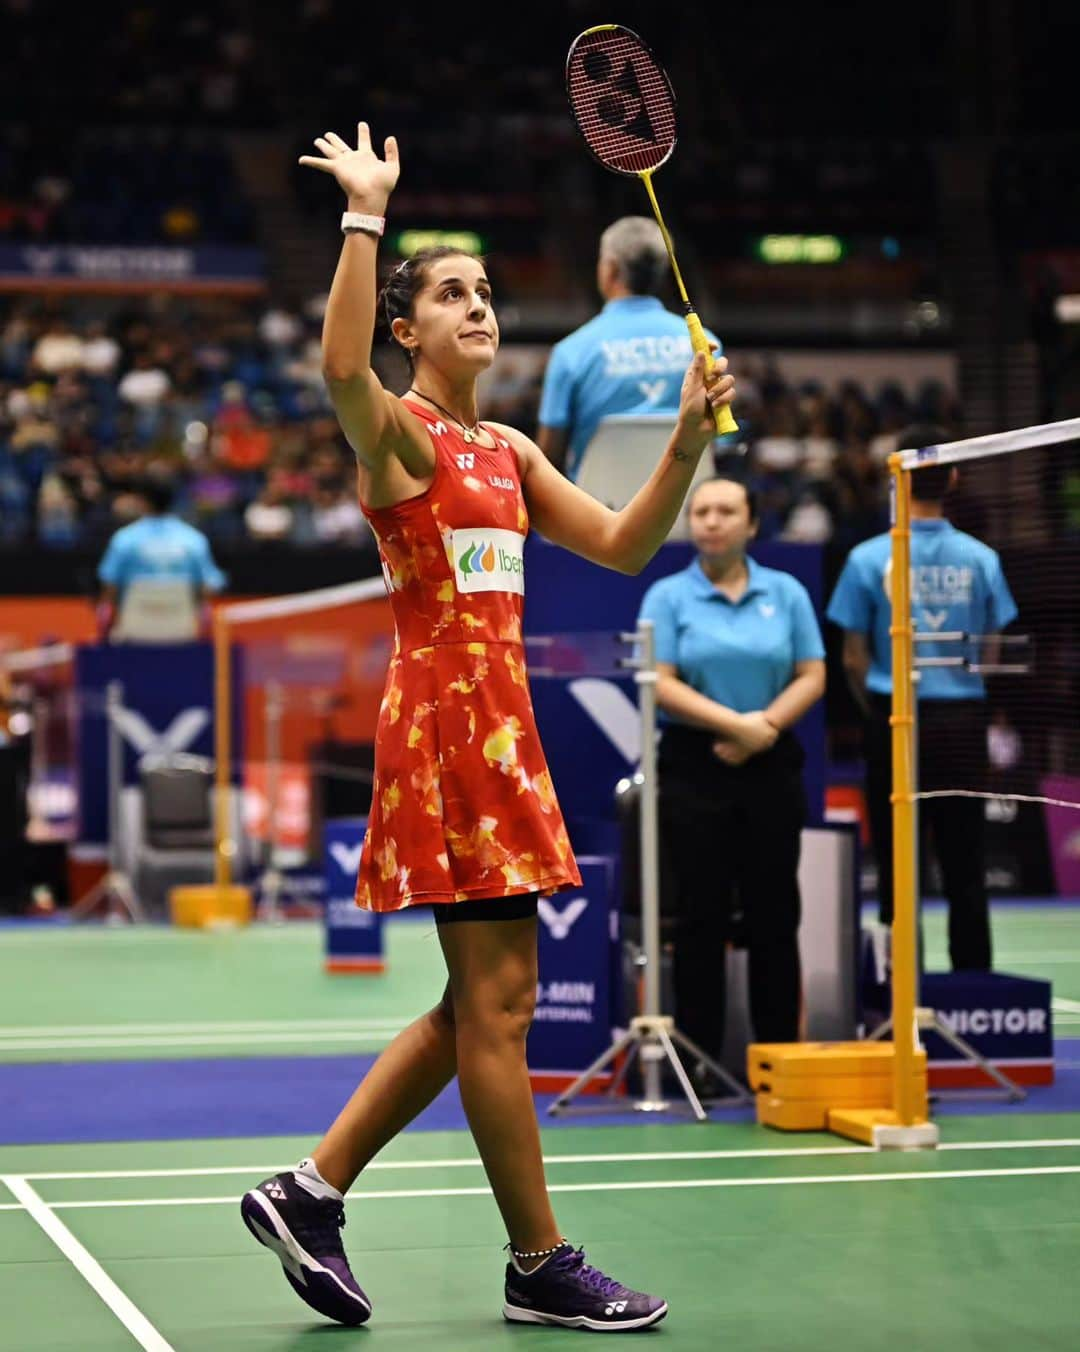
<point x="952" y="754"/>
<point x="729" y="850"/>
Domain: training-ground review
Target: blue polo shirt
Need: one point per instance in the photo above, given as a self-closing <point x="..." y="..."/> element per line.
<point x="740" y="653"/>
<point x="631" y="358"/>
<point x="159" y="547"/>
<point x="956" y="584"/>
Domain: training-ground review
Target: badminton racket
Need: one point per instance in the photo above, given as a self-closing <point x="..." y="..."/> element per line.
<point x="624" y="107"/>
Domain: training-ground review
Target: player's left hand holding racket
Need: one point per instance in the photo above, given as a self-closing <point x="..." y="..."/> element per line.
<point x="707" y="392"/>
<point x="624" y="107"/>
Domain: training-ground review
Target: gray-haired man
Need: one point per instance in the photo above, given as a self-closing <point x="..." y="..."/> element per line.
<point x="629" y="359"/>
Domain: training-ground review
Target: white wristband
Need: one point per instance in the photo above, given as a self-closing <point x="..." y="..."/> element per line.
<point x="351" y="221"/>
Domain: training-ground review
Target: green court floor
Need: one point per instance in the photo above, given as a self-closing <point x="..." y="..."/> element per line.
<point x="756" y="1241"/>
<point x="90" y="993"/>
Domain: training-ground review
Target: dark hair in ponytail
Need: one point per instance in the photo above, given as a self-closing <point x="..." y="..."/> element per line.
<point x="405" y="283"/>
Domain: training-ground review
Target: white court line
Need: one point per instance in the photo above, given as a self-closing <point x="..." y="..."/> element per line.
<point x="1015" y="958"/>
<point x="647" y="1185"/>
<point x="193" y="1040"/>
<point x="88" y="1267"/>
<point x="209" y="1026"/>
<point x="156" y="934"/>
<point x="632" y="1157"/>
<point x="1060" y="1004"/>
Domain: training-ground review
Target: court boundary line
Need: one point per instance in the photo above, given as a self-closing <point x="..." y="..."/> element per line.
<point x="619" y="1157"/>
<point x="640" y="1185"/>
<point x="194" y="1026"/>
<point x="87" y="1266"/>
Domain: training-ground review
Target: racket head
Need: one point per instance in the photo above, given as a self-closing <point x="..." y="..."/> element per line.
<point x="621" y="100"/>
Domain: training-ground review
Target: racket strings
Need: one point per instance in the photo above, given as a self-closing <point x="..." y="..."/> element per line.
<point x="622" y="102"/>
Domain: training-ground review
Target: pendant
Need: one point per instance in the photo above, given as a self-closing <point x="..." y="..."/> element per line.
<point x="469" y="436"/>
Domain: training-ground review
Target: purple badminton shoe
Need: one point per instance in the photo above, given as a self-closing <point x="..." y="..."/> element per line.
<point x="566" y="1290"/>
<point x="305" y="1233"/>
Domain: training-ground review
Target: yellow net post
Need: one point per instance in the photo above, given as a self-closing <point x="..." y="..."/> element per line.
<point x="902" y="724"/>
<point x="905" y="1124"/>
<point x="223" y="843"/>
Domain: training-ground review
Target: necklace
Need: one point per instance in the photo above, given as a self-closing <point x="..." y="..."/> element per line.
<point x="470" y="434"/>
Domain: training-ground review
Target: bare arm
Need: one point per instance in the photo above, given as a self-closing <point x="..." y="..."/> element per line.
<point x="856" y="666"/>
<point x="372" y="419"/>
<point x="553" y="443"/>
<point x="793" y="701"/>
<point x="626" y="540"/>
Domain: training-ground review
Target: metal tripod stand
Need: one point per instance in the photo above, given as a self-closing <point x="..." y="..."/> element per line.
<point x="114" y="889"/>
<point x="928" y="1020"/>
<point x="652" y="1036"/>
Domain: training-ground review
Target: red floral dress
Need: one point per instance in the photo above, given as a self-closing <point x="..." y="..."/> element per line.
<point x="463" y="805"/>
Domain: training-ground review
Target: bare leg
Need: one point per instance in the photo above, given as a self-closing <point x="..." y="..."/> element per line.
<point x="492" y="966"/>
<point x="417" y="1066"/>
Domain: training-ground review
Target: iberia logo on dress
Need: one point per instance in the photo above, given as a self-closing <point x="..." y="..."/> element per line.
<point x="489" y="560"/>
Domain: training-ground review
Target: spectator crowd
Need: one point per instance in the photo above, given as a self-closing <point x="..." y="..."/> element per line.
<point x="226" y="401"/>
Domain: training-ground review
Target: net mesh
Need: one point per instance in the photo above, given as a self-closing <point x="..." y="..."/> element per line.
<point x="309" y="672"/>
<point x="622" y="101"/>
<point x="1020" y="750"/>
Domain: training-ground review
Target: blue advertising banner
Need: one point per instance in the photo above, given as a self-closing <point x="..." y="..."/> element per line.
<point x="354" y="937"/>
<point x="168" y="706"/>
<point x="1005" y="1018"/>
<point x="577" y="1000"/>
<point x="592" y="720"/>
<point x="104" y="267"/>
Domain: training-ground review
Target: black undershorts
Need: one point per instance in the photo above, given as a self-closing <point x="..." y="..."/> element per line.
<point x="520" y="907"/>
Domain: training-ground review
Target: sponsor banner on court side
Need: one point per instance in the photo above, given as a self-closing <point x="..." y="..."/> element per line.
<point x="166" y="695"/>
<point x="353" y="937"/>
<point x="124" y="267"/>
<point x="1005" y="1018"/>
<point x="575" y="996"/>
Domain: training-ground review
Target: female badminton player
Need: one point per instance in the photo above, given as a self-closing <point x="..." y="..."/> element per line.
<point x="464" y="817"/>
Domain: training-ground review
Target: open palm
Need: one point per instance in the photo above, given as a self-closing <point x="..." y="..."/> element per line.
<point x="364" y="178"/>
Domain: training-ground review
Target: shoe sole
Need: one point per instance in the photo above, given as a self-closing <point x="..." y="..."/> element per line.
<point x="516" y="1315"/>
<point x="299" y="1265"/>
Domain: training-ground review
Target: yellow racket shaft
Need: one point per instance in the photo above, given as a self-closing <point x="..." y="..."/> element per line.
<point x="698" y="339"/>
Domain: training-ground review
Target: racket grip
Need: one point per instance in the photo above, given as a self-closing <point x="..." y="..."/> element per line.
<point x="700" y="343"/>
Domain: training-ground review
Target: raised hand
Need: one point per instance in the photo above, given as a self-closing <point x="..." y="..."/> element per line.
<point x="365" y="180"/>
<point x="702" y="391"/>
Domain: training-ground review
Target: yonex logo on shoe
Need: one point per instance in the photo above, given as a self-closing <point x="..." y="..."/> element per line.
<point x="276" y="1191"/>
<point x="616" y="1307"/>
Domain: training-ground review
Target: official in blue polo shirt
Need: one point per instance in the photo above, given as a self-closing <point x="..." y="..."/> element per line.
<point x="631" y="358"/>
<point x="956" y="585"/>
<point x="739" y="660"/>
<point x="159" y="547"/>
